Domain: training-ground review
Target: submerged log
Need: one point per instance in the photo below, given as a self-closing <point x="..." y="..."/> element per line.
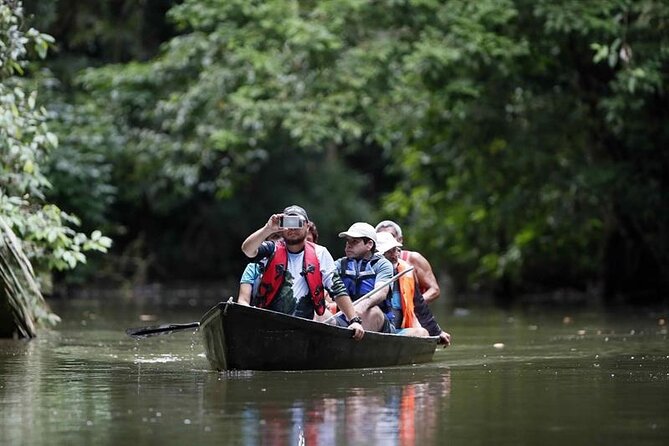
<point x="22" y="306"/>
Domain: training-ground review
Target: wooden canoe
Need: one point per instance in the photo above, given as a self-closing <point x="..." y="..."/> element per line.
<point x="239" y="337"/>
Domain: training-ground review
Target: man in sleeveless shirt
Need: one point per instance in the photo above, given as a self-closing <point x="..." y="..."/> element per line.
<point x="406" y="301"/>
<point x="427" y="282"/>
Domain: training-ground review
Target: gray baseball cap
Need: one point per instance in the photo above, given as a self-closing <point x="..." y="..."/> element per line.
<point x="296" y="210"/>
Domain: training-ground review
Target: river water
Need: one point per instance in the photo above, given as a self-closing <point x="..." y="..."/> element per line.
<point x="528" y="377"/>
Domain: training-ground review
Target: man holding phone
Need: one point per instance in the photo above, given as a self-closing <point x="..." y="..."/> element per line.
<point x="296" y="272"/>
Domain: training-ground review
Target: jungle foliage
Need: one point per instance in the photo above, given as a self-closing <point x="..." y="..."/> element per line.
<point x="33" y="231"/>
<point x="520" y="144"/>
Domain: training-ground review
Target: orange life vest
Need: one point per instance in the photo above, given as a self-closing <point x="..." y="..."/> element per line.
<point x="275" y="273"/>
<point x="404" y="255"/>
<point x="407" y="285"/>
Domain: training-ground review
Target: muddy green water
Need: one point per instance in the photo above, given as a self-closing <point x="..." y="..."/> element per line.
<point x="534" y="377"/>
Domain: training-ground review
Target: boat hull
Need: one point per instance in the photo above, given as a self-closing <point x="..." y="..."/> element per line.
<point x="239" y="337"/>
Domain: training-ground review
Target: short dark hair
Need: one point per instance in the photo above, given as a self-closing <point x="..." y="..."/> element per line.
<point x="313" y="230"/>
<point x="367" y="239"/>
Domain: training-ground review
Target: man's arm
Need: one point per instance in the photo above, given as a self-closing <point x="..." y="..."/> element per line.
<point x="424" y="315"/>
<point x="252" y="243"/>
<point x="244" y="297"/>
<point x="249" y="276"/>
<point x="426" y="279"/>
<point x="384" y="272"/>
<point x="427" y="321"/>
<point x="335" y="286"/>
<point x="346" y="306"/>
<point x="372" y="301"/>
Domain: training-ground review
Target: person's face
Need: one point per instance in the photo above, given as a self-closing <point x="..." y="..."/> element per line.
<point x="356" y="248"/>
<point x="295" y="236"/>
<point x="393" y="254"/>
<point x="392" y="231"/>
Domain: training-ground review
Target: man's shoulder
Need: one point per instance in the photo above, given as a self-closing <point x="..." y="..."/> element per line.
<point x="344" y="259"/>
<point x="379" y="259"/>
<point x="323" y="253"/>
<point x="251" y="267"/>
<point x="251" y="272"/>
<point x="265" y="250"/>
<point x="416" y="258"/>
<point x="382" y="264"/>
<point x="320" y="249"/>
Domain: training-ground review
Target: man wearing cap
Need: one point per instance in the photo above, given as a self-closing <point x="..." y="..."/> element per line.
<point x="296" y="272"/>
<point x="361" y="270"/>
<point x="427" y="282"/>
<point x="405" y="305"/>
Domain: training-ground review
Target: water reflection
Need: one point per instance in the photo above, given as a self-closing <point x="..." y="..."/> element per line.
<point x="593" y="381"/>
<point x="74" y="389"/>
<point x="401" y="406"/>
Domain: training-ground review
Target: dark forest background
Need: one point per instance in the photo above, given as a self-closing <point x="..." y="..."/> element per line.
<point x="522" y="145"/>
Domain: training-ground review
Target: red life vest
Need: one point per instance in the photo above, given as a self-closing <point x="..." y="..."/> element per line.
<point x="275" y="273"/>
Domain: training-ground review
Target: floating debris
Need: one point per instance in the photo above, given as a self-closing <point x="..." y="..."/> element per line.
<point x="461" y="312"/>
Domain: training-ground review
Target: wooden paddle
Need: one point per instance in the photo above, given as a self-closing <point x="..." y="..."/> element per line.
<point x="373" y="292"/>
<point x="145" y="332"/>
<point x="156" y="330"/>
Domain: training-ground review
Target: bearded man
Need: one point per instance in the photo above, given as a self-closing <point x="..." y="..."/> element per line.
<point x="295" y="272"/>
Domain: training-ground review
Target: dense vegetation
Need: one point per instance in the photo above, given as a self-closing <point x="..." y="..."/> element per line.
<point x="521" y="144"/>
<point x="36" y="236"/>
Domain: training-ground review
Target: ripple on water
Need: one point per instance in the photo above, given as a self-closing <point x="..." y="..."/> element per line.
<point x="157" y="359"/>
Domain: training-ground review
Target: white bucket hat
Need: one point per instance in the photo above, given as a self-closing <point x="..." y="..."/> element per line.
<point x="386" y="242"/>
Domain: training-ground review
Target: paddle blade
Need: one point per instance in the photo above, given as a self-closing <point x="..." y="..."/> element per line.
<point x="145" y="332"/>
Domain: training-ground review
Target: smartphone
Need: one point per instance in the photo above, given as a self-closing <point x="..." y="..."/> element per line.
<point x="291" y="221"/>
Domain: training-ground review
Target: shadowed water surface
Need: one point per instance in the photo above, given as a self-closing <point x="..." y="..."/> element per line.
<point x="515" y="377"/>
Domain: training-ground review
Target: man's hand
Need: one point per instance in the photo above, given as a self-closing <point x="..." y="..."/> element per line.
<point x="358" y="331"/>
<point x="444" y="339"/>
<point x="252" y="243"/>
<point x="274" y="223"/>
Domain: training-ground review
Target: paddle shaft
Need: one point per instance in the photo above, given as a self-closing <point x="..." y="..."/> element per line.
<point x="144" y="332"/>
<point x="373" y="292"/>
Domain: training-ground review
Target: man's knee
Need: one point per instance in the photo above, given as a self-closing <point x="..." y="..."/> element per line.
<point x="375" y="320"/>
